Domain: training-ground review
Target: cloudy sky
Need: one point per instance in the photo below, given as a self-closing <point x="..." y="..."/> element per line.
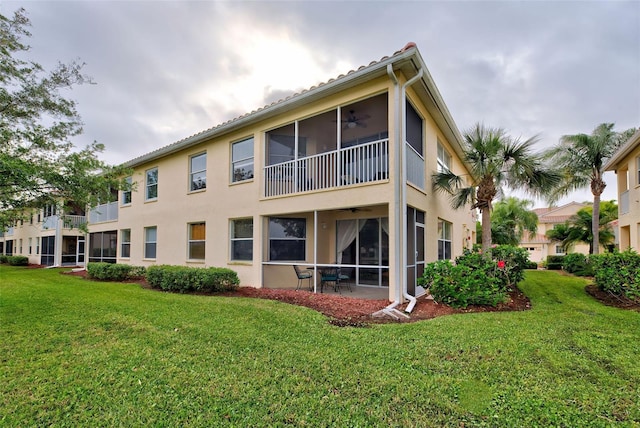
<point x="165" y="70"/>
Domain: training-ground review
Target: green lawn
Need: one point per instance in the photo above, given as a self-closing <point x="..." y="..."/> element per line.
<point x="81" y="353"/>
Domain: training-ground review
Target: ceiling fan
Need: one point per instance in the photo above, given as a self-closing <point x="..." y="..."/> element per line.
<point x="353" y="121"/>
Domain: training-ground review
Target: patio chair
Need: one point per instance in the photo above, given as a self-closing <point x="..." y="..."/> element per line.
<point x="302" y="275"/>
<point x="329" y="276"/>
<point x="344" y="278"/>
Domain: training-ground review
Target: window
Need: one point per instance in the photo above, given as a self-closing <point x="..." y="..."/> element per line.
<point x="444" y="240"/>
<point x="150" y="242"/>
<point x="37" y="245"/>
<point x="559" y="249"/>
<point x="242" y="239"/>
<point x="102" y="246"/>
<point x="125" y="243"/>
<point x="151" y="184"/>
<point x="414" y="128"/>
<point x="198" y="172"/>
<point x="638" y="168"/>
<point x="287" y="238"/>
<point x="20" y="246"/>
<point x="48" y="251"/>
<point x="197" y="235"/>
<point x="242" y="160"/>
<point x="444" y="159"/>
<point x="30" y="244"/>
<point x="49" y="210"/>
<point x="126" y="194"/>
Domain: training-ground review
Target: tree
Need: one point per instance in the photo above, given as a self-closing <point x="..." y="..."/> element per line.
<point x="495" y="160"/>
<point x="579" y="227"/>
<point x="510" y="219"/>
<point x="581" y="158"/>
<point x="38" y="162"/>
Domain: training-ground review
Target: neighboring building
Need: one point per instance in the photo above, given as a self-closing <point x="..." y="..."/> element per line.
<point x="337" y="174"/>
<point x="538" y="245"/>
<point x="48" y="236"/>
<point x="626" y="163"/>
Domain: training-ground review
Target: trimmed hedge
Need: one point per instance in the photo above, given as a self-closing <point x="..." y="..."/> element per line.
<point x="554" y="262"/>
<point x="18" y="260"/>
<point x="185" y="279"/>
<point x="3" y="259"/>
<point x="618" y="273"/>
<point x="113" y="271"/>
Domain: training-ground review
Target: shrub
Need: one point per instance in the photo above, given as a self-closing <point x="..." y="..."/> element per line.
<point x="3" y="259"/>
<point x="531" y="265"/>
<point x="554" y="262"/>
<point x="471" y="281"/>
<point x="618" y="273"/>
<point x="185" y="279"/>
<point x="113" y="271"/>
<point x="577" y="264"/>
<point x="18" y="260"/>
<point x="515" y="261"/>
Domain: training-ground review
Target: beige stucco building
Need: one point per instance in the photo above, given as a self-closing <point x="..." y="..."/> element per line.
<point x="626" y="163"/>
<point x="539" y="245"/>
<point x="50" y="236"/>
<point x="339" y="174"/>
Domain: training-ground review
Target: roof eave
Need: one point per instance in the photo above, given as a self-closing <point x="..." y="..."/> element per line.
<point x="623" y="152"/>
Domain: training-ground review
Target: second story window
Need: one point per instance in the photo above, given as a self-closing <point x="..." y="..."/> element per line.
<point x="198" y="172"/>
<point x="151" y="184"/>
<point x="242" y="160"/>
<point x="126" y="194"/>
<point x="414" y="129"/>
<point x="444" y="159"/>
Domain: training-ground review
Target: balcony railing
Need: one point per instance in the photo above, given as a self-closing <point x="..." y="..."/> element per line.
<point x="415" y="167"/>
<point x="624" y="202"/>
<point x="73" y="221"/>
<point x="50" y="222"/>
<point x="345" y="167"/>
<point x="104" y="212"/>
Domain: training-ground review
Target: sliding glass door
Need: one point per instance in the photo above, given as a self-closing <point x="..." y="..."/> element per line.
<point x="363" y="246"/>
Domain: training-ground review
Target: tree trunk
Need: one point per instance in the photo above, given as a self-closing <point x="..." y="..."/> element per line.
<point x="597" y="187"/>
<point x="486" y="231"/>
<point x="595" y="224"/>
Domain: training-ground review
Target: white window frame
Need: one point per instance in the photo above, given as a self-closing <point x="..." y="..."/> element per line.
<point x="444" y="227"/>
<point x="249" y="160"/>
<point x="126" y="194"/>
<point x="638" y="168"/>
<point x="149" y="242"/>
<point x="444" y="159"/>
<point x="191" y="241"/>
<point x="30" y="245"/>
<point x="200" y="174"/>
<point x="148" y="186"/>
<point x="124" y="242"/>
<point x="233" y="239"/>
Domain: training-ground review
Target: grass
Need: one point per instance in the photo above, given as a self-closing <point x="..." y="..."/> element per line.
<point x="81" y="353"/>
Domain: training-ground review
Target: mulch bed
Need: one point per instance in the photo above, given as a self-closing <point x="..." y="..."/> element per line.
<point x="611" y="299"/>
<point x="347" y="311"/>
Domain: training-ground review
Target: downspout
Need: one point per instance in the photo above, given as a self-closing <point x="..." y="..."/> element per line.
<point x="403" y="93"/>
<point x="400" y="198"/>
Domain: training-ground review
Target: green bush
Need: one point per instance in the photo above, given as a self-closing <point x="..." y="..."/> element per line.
<point x="3" y="259"/>
<point x="18" y="260"/>
<point x="554" y="262"/>
<point x="471" y="281"/>
<point x="577" y="264"/>
<point x="618" y="273"/>
<point x="114" y="271"/>
<point x="531" y="265"/>
<point x="516" y="260"/>
<point x="185" y="279"/>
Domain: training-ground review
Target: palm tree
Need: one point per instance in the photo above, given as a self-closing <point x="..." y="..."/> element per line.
<point x="581" y="159"/>
<point x="510" y="219"/>
<point x="495" y="160"/>
<point x="579" y="228"/>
